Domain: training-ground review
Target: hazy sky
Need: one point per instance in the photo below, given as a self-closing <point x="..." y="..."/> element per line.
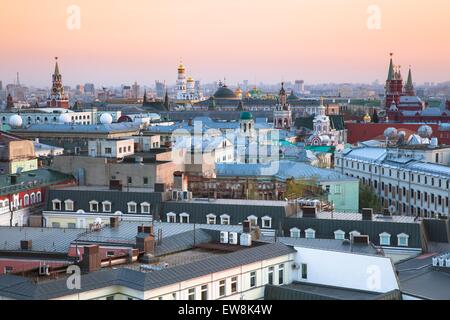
<point x="259" y="40"/>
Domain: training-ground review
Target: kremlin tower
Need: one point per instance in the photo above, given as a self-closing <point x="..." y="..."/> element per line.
<point x="57" y="98"/>
<point x="394" y="85"/>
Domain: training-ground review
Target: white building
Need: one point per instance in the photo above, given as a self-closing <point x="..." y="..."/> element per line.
<point x="411" y="180"/>
<point x="113" y="148"/>
<point x="188" y="90"/>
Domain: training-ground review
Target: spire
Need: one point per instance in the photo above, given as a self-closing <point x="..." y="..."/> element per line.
<point x="409" y="87"/>
<point x="144" y="102"/>
<point x="56" y="66"/>
<point x="166" y="101"/>
<point x="391" y="69"/>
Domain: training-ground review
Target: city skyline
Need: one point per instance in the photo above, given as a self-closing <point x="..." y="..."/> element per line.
<point x="121" y="46"/>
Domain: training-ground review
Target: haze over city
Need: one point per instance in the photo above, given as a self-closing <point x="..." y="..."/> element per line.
<point x="262" y="41"/>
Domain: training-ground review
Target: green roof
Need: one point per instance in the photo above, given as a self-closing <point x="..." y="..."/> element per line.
<point x="31" y="179"/>
<point x="323" y="149"/>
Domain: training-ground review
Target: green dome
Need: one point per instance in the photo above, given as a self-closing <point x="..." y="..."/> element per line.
<point x="224" y="93"/>
<point x="246" y="115"/>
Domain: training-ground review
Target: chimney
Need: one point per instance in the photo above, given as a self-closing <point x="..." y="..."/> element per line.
<point x="180" y="181"/>
<point x="367" y="214"/>
<point x="309" y="212"/>
<point x="91" y="259"/>
<point x="246" y="226"/>
<point x="25" y="244"/>
<point x="145" y="239"/>
<point x="114" y="222"/>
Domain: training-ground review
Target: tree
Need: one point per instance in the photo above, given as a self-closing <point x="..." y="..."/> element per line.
<point x="368" y="198"/>
<point x="375" y="118"/>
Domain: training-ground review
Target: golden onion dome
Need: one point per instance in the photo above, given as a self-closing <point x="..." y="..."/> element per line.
<point x="190" y="79"/>
<point x="238" y="91"/>
<point x="367" y="118"/>
<point x="181" y="68"/>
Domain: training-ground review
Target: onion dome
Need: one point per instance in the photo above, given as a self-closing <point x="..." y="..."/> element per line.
<point x="367" y="118"/>
<point x="246" y="115"/>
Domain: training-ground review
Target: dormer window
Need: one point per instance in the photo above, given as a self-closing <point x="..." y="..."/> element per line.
<point x="224" y="219"/>
<point x="184" y="217"/>
<point x="211" y="219"/>
<point x="106" y="206"/>
<point x="295" y="233"/>
<point x="402" y="240"/>
<point x="339" y="235"/>
<point x="253" y="220"/>
<point x="145" y="207"/>
<point x="385" y="239"/>
<point x="93" y="206"/>
<point x="171" y="217"/>
<point x="266" y="222"/>
<point x="68" y="204"/>
<point x="310" y="233"/>
<point x="56" y="204"/>
<point x="132" y="207"/>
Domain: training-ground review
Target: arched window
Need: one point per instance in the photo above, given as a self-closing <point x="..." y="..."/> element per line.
<point x="26" y="200"/>
<point x="33" y="198"/>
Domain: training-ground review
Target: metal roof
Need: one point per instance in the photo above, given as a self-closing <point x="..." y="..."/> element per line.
<point x="21" y="288"/>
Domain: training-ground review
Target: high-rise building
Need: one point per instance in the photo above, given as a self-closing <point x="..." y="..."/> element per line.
<point x="57" y="98"/>
<point x="1" y="85"/>
<point x="89" y="88"/>
<point x="160" y="89"/>
<point x="135" y="90"/>
<point x="299" y="86"/>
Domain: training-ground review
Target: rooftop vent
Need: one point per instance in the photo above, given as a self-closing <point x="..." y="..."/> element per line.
<point x="367" y="214"/>
<point x="25" y="244"/>
<point x="309" y="212"/>
<point x="361" y="239"/>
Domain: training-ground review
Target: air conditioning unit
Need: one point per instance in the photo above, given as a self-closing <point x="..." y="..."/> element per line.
<point x="246" y="239"/>
<point x="233" y="238"/>
<point x="223" y="237"/>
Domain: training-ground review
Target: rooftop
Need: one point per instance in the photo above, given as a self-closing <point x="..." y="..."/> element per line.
<point x="22" y="288"/>
<point x="32" y="179"/>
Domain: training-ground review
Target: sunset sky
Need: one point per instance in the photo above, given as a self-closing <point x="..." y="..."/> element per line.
<point x="259" y="40"/>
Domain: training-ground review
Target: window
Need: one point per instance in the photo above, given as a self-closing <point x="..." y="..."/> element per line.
<point x="145" y="180"/>
<point x="234" y="282"/>
<point x="171" y="217"/>
<point x="145" y="207"/>
<point x="110" y="254"/>
<point x="310" y="233"/>
<point x="295" y="233"/>
<point x="8" y="269"/>
<point x="132" y="208"/>
<point x="72" y="225"/>
<point x="339" y="235"/>
<point x="266" y="222"/>
<point x="337" y="189"/>
<point x="56" y="204"/>
<point x="68" y="205"/>
<point x="110" y="298"/>
<point x="354" y="233"/>
<point x="304" y="271"/>
<point x="222" y="287"/>
<point x="402" y="240"/>
<point x="211" y="219"/>
<point x="184" y="217"/>
<point x="108" y="150"/>
<point x="191" y="294"/>
<point x="224" y="219"/>
<point x="93" y="206"/>
<point x="106" y="206"/>
<point x="253" y="279"/>
<point x="33" y="198"/>
<point x="270" y="276"/>
<point x="26" y="200"/>
<point x="385" y="239"/>
<point x="204" y="292"/>
<point x="56" y="225"/>
<point x="281" y="274"/>
<point x="129" y="180"/>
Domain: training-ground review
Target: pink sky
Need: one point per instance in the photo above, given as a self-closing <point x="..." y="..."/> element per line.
<point x="259" y="40"/>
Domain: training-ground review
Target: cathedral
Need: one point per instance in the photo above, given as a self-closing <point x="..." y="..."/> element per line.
<point x="188" y="90"/>
<point x="57" y="98"/>
<point x="323" y="134"/>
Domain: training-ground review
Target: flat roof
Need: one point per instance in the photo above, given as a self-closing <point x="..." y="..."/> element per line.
<point x="269" y="203"/>
<point x="356" y="216"/>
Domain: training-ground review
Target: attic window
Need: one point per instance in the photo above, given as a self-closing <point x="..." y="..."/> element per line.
<point x="56" y="204"/>
<point x="310" y="233"/>
<point x="211" y="219"/>
<point x="93" y="206"/>
<point x="132" y="207"/>
<point x="295" y="233"/>
<point x="385" y="239"/>
<point x="402" y="240"/>
<point x="339" y="235"/>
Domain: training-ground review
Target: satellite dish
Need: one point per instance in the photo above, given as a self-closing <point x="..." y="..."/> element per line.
<point x="392" y="209"/>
